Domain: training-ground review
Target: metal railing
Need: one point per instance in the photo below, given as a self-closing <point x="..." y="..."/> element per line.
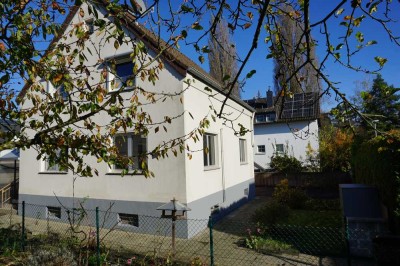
<point x="5" y="195"/>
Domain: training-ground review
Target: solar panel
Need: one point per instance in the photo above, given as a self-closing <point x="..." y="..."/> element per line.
<point x="300" y="105"/>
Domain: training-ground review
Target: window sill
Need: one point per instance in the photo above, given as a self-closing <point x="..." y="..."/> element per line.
<point x="119" y="173"/>
<point x="209" y="168"/>
<point x="244" y="163"/>
<point x="52" y="173"/>
<point x="260" y="153"/>
<point x="128" y="89"/>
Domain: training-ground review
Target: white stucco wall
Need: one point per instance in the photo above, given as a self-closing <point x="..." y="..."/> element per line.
<point x="229" y="171"/>
<point x="178" y="177"/>
<point x="295" y="135"/>
<point x="169" y="178"/>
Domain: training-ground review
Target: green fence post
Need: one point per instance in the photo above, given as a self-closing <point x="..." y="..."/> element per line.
<point x="210" y="225"/>
<point x="97" y="237"/>
<point x="346" y="235"/>
<point x="23" y="227"/>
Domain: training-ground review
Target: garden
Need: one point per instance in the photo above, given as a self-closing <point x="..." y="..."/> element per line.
<point x="293" y="223"/>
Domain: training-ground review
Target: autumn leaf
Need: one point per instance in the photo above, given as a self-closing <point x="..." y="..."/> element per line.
<point x="57" y="78"/>
<point x="247" y="25"/>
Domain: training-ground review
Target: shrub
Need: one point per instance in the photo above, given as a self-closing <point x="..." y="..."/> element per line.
<point x="294" y="198"/>
<point x="271" y="213"/>
<point x="286" y="164"/>
<point x="50" y="256"/>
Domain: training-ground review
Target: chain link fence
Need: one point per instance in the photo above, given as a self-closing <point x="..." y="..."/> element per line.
<point x="102" y="237"/>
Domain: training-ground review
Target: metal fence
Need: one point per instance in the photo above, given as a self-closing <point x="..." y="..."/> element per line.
<point x="102" y="237"/>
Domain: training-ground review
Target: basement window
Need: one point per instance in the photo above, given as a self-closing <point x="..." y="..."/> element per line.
<point x="53" y="212"/>
<point x="128" y="219"/>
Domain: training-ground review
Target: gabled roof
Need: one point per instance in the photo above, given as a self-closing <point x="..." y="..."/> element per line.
<point x="180" y="62"/>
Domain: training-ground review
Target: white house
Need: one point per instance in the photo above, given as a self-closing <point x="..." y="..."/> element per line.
<point x="220" y="178"/>
<point x="288" y="125"/>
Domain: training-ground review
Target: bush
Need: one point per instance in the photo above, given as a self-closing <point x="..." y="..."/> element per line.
<point x="295" y="198"/>
<point x="271" y="213"/>
<point x="286" y="164"/>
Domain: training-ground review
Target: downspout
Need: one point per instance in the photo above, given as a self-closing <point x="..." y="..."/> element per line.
<point x="222" y="165"/>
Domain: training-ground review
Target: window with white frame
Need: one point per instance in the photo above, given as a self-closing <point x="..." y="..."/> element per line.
<point x="55" y="167"/>
<point x="243" y="150"/>
<point x="210" y="150"/>
<point x="133" y="147"/>
<point x="60" y="90"/>
<point x="128" y="219"/>
<point x="279" y="148"/>
<point x="120" y="74"/>
<point x="261" y="148"/>
<point x="89" y="24"/>
<point x="260" y="118"/>
<point x="53" y="212"/>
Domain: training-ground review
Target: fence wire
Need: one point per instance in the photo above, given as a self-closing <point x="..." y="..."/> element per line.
<point x="103" y="237"/>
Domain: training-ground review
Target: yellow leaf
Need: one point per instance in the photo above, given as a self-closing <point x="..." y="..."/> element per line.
<point x="57" y="77"/>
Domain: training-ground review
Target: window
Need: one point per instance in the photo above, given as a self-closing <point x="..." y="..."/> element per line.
<point x="48" y="167"/>
<point x="260" y="118"/>
<point x="122" y="75"/>
<point x="210" y="149"/>
<point x="53" y="212"/>
<point x="128" y="219"/>
<point x="243" y="150"/>
<point x="62" y="92"/>
<point x="131" y="146"/>
<point x="89" y="26"/>
<point x="280" y="149"/>
<point x="261" y="148"/>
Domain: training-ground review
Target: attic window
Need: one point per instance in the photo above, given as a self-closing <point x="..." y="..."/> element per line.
<point x="121" y="74"/>
<point x="89" y="26"/>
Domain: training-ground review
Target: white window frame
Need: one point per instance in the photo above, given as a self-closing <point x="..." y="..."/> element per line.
<point x="129" y="223"/>
<point x="258" y="149"/>
<point x="46" y="168"/>
<point x="210" y="153"/>
<point x="111" y="76"/>
<point x="260" y="115"/>
<point x="243" y="151"/>
<point x="280" y="152"/>
<point x="51" y="89"/>
<point x="129" y="142"/>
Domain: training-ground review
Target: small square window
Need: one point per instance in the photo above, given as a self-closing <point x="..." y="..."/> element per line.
<point x="128" y="219"/>
<point x="261" y="148"/>
<point x="260" y="118"/>
<point x="53" y="212"/>
<point x="122" y="75"/>
<point x="210" y="149"/>
<point x="243" y="150"/>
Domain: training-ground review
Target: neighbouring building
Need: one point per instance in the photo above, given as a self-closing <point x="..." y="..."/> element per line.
<point x="218" y="179"/>
<point x="285" y="125"/>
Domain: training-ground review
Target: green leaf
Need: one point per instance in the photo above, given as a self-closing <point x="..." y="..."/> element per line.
<point x="201" y="59"/>
<point x="197" y="26"/>
<point x="339" y="46"/>
<point x="186" y="9"/>
<point x="360" y="36"/>
<point x="380" y="60"/>
<point x="371" y="43"/>
<point x="251" y="73"/>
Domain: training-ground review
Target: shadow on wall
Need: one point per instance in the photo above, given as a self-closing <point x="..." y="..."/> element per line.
<point x="221" y="212"/>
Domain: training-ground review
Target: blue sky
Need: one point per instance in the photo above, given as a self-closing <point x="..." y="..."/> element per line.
<point x="346" y="79"/>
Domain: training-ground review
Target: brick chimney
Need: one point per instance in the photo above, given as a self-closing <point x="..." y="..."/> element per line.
<point x="270" y="98"/>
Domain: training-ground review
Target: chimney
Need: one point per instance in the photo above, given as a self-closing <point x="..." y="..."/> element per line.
<point x="270" y="98"/>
